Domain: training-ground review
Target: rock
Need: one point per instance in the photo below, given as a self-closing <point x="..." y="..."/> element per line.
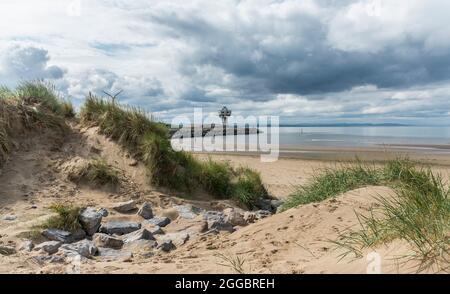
<point x="133" y="163"/>
<point x="107" y="241"/>
<point x="142" y="234"/>
<point x="146" y="211"/>
<point x="216" y="220"/>
<point x="188" y="211"/>
<point x="213" y="215"/>
<point x="177" y="239"/>
<point x="250" y="217"/>
<point x="78" y="235"/>
<point x="103" y="211"/>
<point x="84" y="248"/>
<point x="7" y="250"/>
<point x="159" y="221"/>
<point x="260" y="214"/>
<point x="141" y="247"/>
<point x="26" y="245"/>
<point x="119" y="227"/>
<point x="108" y="254"/>
<point x="166" y="246"/>
<point x="276" y="205"/>
<point x="90" y="220"/>
<point x="124" y="207"/>
<point x="41" y="259"/>
<point x="155" y="230"/>
<point x="235" y="217"/>
<point x="58" y="235"/>
<point x="50" y="247"/>
<point x="221" y="225"/>
<point x="9" y="217"/>
<point x="264" y="204"/>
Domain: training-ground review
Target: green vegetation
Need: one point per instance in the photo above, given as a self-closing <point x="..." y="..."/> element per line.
<point x="33" y="105"/>
<point x="44" y="95"/>
<point x="66" y="218"/>
<point x="149" y="142"/>
<point x="96" y="172"/>
<point x="332" y="182"/>
<point x="419" y="214"/>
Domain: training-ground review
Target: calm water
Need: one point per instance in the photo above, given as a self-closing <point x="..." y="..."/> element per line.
<point x="363" y="136"/>
<point x="291" y="138"/>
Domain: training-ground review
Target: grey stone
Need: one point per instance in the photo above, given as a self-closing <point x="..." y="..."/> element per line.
<point x="107" y="241"/>
<point x="141" y="234"/>
<point x="90" y="220"/>
<point x="264" y="204"/>
<point x="221" y="225"/>
<point x="235" y="216"/>
<point x="260" y="214"/>
<point x="58" y="235"/>
<point x="84" y="248"/>
<point x="213" y="215"/>
<point x="9" y="217"/>
<point x="50" y="247"/>
<point x="78" y="235"/>
<point x="166" y="246"/>
<point x="250" y="217"/>
<point x="41" y="259"/>
<point x="141" y="247"/>
<point x="159" y="221"/>
<point x="119" y="227"/>
<point x="26" y="245"/>
<point x="7" y="250"/>
<point x="156" y="230"/>
<point x="108" y="254"/>
<point x="146" y="211"/>
<point x="178" y="239"/>
<point x="276" y="204"/>
<point x="124" y="207"/>
<point x="103" y="211"/>
<point x="217" y="220"/>
<point x="188" y="211"/>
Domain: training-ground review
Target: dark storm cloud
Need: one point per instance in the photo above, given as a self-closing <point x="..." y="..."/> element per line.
<point x="299" y="59"/>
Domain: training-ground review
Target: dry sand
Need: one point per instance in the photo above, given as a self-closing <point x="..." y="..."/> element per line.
<point x="295" y="241"/>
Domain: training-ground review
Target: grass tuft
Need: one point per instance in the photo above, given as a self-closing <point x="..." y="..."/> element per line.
<point x="96" y="172"/>
<point x="235" y="263"/>
<point x="248" y="187"/>
<point x="66" y="218"/>
<point x="419" y="213"/>
<point x="333" y="182"/>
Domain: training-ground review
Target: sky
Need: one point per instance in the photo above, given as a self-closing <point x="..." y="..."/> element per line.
<point x="307" y="61"/>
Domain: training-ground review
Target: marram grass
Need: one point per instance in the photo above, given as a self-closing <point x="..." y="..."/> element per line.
<point x="419" y="213"/>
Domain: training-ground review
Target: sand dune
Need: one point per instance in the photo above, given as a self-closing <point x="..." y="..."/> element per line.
<point x="295" y="241"/>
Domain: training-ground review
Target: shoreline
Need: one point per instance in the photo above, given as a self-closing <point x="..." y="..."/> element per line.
<point x="426" y="154"/>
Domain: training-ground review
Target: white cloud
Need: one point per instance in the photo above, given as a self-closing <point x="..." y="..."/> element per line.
<point x="306" y="59"/>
